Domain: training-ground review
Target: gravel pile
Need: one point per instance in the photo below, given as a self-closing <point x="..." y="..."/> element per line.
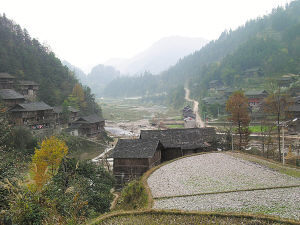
<point x="283" y="202"/>
<point x="213" y="172"/>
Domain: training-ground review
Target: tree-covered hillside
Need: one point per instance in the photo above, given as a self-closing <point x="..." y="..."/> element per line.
<point x="271" y="43"/>
<point x="25" y="58"/>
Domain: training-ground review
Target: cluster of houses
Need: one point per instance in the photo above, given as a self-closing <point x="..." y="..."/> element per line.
<point x="20" y="99"/>
<point x="133" y="157"/>
<point x="255" y="97"/>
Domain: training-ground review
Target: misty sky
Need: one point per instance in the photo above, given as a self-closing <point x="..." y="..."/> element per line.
<point x="89" y="32"/>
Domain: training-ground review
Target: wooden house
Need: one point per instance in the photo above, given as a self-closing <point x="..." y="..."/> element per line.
<point x="10" y="97"/>
<point x="88" y="126"/>
<point x="28" y="89"/>
<point x="133" y="157"/>
<point x="6" y="81"/>
<point x="58" y="115"/>
<point x="35" y="115"/>
<point x="256" y="97"/>
<point x="180" y="142"/>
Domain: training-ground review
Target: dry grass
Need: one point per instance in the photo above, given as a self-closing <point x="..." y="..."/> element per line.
<point x="158" y="217"/>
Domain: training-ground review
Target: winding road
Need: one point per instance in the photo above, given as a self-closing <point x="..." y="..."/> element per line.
<point x="199" y="121"/>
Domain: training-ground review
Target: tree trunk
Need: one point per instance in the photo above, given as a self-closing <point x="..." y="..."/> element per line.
<point x="278" y="135"/>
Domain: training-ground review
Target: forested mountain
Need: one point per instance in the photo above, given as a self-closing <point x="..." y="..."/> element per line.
<point x="271" y="43"/>
<point x="160" y="56"/>
<point x="25" y="58"/>
<point x="100" y="76"/>
<point x="79" y="74"/>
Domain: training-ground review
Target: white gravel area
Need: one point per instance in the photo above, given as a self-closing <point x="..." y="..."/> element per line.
<point x="283" y="202"/>
<point x="214" y="172"/>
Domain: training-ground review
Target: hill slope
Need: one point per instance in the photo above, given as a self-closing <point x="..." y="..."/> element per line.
<point x="271" y="42"/>
<point x="25" y="58"/>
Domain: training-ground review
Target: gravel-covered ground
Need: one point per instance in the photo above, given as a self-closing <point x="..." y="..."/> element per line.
<point x="283" y="202"/>
<point x="214" y="172"/>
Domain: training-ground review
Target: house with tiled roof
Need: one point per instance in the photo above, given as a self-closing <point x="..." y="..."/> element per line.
<point x="6" y="81"/>
<point x="10" y="97"/>
<point x="255" y="97"/>
<point x="27" y="88"/>
<point x="35" y="115"/>
<point x="133" y="157"/>
<point x="88" y="126"/>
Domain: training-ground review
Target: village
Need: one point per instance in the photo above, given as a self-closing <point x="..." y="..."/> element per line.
<point x="20" y="99"/>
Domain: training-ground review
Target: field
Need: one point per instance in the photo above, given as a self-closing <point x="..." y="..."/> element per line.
<point x="222" y="182"/>
<point x="119" y="110"/>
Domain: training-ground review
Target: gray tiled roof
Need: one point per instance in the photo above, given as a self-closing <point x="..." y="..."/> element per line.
<point x="6" y="75"/>
<point x="135" y="148"/>
<point x="184" y="138"/>
<point x="10" y="94"/>
<point x="32" y="106"/>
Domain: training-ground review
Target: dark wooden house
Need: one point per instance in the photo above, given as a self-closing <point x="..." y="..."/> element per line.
<point x="88" y="126"/>
<point x="256" y="97"/>
<point x="180" y="142"/>
<point x="6" y="81"/>
<point x="10" y="97"/>
<point x="27" y="88"/>
<point x="35" y="115"/>
<point x="133" y="157"/>
<point x="58" y="114"/>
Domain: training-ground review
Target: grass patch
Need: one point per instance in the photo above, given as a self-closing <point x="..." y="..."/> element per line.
<point x="288" y="170"/>
<point x="157" y="217"/>
<point x="257" y="129"/>
<point x="133" y="196"/>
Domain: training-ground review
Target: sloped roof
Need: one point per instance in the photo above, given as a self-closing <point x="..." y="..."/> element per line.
<point x="181" y="138"/>
<point x="32" y="106"/>
<point x="135" y="148"/>
<point x="10" y="94"/>
<point x="27" y="82"/>
<point x="59" y="109"/>
<point x="256" y="92"/>
<point x="6" y="75"/>
<point x="94" y="118"/>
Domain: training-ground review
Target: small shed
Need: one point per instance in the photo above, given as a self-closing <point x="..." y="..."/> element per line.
<point x="133" y="157"/>
<point x="10" y="97"/>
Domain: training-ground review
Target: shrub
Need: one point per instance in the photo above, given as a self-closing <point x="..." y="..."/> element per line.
<point x="133" y="196"/>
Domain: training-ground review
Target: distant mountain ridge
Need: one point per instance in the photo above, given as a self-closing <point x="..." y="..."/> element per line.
<point x="97" y="79"/>
<point x="160" y="56"/>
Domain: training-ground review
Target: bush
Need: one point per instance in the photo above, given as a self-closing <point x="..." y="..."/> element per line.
<point x="133" y="196"/>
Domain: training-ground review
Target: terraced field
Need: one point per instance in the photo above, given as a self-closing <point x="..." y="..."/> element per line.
<point x="222" y="182"/>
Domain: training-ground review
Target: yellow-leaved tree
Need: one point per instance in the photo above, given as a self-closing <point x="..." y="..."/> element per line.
<point x="47" y="159"/>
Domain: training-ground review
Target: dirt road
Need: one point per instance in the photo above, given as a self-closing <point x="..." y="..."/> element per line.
<point x="199" y="121"/>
